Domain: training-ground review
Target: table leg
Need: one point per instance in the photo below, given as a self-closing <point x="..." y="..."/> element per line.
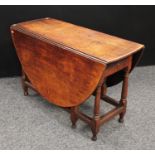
<point x="104" y="89"/>
<point x="96" y="118"/>
<point x="24" y="86"/>
<point x="124" y="93"/>
<point x="74" y="116"/>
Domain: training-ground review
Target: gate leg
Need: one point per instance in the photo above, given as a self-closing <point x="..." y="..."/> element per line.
<point x="124" y="93"/>
<point x="104" y="89"/>
<point x="74" y="116"/>
<point x="24" y="86"/>
<point x="96" y="117"/>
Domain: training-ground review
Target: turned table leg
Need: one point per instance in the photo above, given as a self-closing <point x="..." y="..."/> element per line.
<point x="96" y="118"/>
<point x="24" y="86"/>
<point x="124" y="93"/>
<point x="74" y="116"/>
<point x="104" y="89"/>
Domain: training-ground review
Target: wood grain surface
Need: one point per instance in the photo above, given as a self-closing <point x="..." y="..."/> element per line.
<point x="65" y="62"/>
<point x="60" y="76"/>
<point x="94" y="44"/>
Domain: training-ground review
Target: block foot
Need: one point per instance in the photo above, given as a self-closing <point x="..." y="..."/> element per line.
<point x="121" y="120"/>
<point x="94" y="138"/>
<point x="73" y="126"/>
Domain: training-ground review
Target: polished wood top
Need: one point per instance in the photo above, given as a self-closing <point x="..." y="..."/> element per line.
<point x="89" y="43"/>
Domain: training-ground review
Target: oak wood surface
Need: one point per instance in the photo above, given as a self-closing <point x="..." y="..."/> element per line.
<point x="94" y="44"/>
<point x="65" y="62"/>
<point x="62" y="77"/>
